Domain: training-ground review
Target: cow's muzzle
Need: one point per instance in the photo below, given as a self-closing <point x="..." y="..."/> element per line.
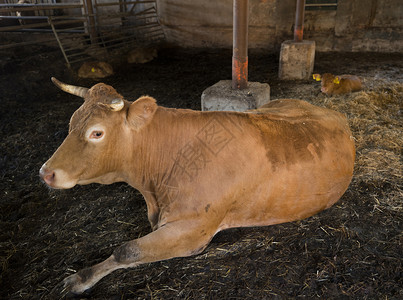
<point x="56" y="178"/>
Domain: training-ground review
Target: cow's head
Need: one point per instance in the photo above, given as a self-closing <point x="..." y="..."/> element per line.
<point x="101" y="131"/>
<point x="328" y="83"/>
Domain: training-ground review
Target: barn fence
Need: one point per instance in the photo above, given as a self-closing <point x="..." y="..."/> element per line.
<point x="89" y="28"/>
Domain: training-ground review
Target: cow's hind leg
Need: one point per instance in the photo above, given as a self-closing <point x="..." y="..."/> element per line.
<point x="178" y="239"/>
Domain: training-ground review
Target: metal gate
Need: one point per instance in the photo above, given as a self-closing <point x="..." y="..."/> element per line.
<point x="89" y="28"/>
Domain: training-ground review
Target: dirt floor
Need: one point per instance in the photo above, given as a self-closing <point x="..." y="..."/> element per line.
<point x="351" y="251"/>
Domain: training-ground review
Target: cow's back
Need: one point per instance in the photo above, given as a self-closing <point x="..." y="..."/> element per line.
<point x="350" y="83"/>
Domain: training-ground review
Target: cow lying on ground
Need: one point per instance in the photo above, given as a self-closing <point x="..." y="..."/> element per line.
<point x="337" y="85"/>
<point x="201" y="172"/>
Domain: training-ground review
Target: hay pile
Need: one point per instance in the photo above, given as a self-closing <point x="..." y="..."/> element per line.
<point x="375" y="118"/>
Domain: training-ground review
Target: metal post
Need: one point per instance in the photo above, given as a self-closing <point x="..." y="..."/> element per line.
<point x="299" y="21"/>
<point x="240" y="45"/>
<point x="91" y="21"/>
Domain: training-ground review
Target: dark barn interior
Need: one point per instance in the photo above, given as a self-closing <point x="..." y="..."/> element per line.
<point x="352" y="250"/>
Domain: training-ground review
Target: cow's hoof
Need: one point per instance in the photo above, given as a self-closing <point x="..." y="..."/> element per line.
<point x="74" y="285"/>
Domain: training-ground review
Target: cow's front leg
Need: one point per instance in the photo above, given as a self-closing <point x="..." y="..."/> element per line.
<point x="178" y="239"/>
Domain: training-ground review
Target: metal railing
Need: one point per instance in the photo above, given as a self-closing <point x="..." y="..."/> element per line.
<point x="82" y="30"/>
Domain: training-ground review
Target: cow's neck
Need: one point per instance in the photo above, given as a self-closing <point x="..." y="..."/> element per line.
<point x="167" y="139"/>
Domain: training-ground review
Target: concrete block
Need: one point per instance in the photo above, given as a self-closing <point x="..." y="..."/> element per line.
<point x="222" y="97"/>
<point x="296" y="60"/>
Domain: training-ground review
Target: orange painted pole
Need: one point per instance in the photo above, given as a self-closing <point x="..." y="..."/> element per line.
<point x="240" y="45"/>
<point x="299" y="21"/>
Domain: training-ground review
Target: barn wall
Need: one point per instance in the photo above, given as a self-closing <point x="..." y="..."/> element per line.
<point x="356" y="25"/>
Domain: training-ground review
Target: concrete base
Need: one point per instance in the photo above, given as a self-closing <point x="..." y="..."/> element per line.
<point x="296" y="60"/>
<point x="221" y="96"/>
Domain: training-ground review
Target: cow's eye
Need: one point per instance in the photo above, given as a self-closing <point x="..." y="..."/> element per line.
<point x="96" y="134"/>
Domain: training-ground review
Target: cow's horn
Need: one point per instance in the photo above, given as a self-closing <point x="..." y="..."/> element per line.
<point x="71" y="89"/>
<point x="116" y="104"/>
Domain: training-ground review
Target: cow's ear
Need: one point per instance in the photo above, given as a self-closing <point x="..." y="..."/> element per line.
<point x="141" y="112"/>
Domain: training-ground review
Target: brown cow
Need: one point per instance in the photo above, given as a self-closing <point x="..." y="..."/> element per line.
<point x="201" y="172"/>
<point x="337" y="85"/>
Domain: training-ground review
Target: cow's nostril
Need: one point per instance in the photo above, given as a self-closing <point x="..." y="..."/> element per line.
<point x="47" y="175"/>
<point x="49" y="178"/>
